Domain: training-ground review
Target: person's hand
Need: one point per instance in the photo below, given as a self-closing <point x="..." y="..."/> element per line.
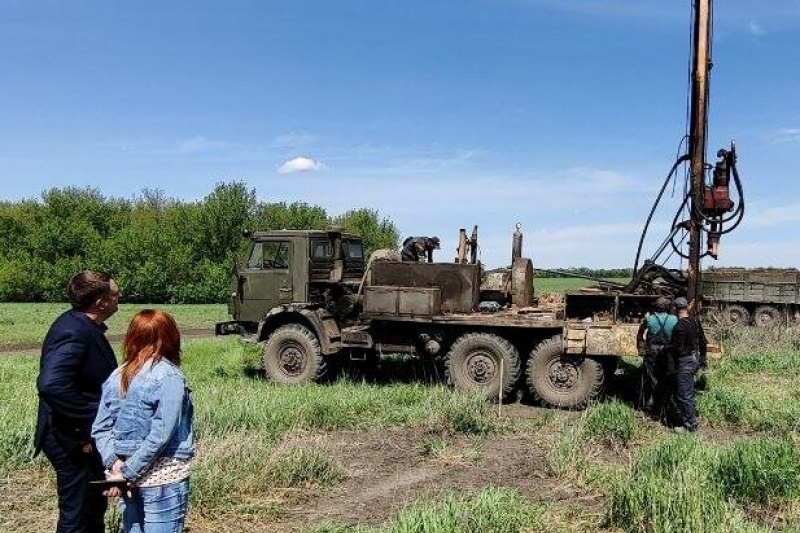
<point x="115" y="474"/>
<point x="116" y="468"/>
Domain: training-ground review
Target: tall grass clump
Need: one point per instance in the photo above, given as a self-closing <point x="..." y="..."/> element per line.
<point x="760" y="470"/>
<point x="609" y="422"/>
<point x="493" y="510"/>
<point x="18" y="404"/>
<point x="466" y="413"/>
<point x="230" y="469"/>
<point x="722" y="406"/>
<point x="772" y="350"/>
<point x="670" y="489"/>
<point x="303" y="466"/>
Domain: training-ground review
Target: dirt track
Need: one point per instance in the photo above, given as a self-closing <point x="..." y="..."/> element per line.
<point x="36" y="346"/>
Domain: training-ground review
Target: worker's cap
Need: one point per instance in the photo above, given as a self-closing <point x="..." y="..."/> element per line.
<point x="680" y="303"/>
<point x="434" y="242"/>
<point x="662" y="304"/>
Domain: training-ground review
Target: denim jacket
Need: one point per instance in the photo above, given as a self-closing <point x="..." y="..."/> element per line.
<point x="153" y="420"/>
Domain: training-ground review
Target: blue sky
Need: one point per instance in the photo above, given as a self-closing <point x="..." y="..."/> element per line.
<point x="563" y="116"/>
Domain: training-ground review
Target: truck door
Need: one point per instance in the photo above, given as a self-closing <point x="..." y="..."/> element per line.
<point x="265" y="279"/>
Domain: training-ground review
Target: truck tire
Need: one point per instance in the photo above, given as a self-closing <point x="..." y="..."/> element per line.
<point x="564" y="381"/>
<point x="736" y="315"/>
<point x="766" y="316"/>
<point x="473" y="363"/>
<point x="292" y="355"/>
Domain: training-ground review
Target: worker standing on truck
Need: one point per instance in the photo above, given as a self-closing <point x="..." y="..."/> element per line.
<point x="687" y="354"/>
<point x="419" y="248"/>
<point x="653" y="341"/>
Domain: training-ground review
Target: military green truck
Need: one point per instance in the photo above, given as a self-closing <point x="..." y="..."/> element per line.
<point x="761" y="296"/>
<point x="314" y="302"/>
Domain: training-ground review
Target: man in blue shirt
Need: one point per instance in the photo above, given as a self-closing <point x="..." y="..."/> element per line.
<point x="653" y="340"/>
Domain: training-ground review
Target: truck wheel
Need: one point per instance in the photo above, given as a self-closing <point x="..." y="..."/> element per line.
<point x="560" y="380"/>
<point x="473" y="363"/>
<point x="737" y="315"/>
<point x="292" y="355"/>
<point x="766" y="315"/>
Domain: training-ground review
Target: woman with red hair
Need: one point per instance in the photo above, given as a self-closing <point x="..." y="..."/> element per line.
<point x="143" y="428"/>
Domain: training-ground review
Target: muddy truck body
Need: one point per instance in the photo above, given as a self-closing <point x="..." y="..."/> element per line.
<point x="759" y="296"/>
<point x="315" y="304"/>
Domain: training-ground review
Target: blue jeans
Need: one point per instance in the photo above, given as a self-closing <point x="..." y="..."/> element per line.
<point x="159" y="509"/>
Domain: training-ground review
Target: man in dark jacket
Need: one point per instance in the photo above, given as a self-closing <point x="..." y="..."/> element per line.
<point x="76" y="360"/>
<point x="419" y="248"/>
<point x="687" y="354"/>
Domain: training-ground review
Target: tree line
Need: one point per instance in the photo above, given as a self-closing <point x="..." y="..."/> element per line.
<point x="160" y="249"/>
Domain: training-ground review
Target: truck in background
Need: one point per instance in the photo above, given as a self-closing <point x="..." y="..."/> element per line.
<point x="760" y="296"/>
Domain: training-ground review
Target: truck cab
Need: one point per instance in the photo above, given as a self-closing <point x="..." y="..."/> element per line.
<point x="285" y="267"/>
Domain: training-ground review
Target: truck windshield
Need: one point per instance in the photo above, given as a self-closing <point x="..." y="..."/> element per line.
<point x="353" y="249"/>
<point x="269" y="255"/>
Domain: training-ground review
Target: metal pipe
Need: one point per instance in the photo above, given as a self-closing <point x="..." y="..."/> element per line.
<point x="698" y="129"/>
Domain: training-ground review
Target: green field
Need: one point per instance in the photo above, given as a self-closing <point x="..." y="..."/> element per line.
<point x="28" y="323"/>
<point x="567" y="284"/>
<point x="399" y="451"/>
<point x="22" y="323"/>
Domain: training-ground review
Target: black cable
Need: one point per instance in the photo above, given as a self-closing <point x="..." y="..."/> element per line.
<point x="680" y="160"/>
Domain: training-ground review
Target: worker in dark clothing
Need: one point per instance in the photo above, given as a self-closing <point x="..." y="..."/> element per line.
<point x="419" y="248"/>
<point x="652" y="341"/>
<point x="688" y="350"/>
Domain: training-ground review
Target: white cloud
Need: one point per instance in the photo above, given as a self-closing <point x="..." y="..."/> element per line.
<point x="787" y="135"/>
<point x="755" y="29"/>
<point x="200" y="144"/>
<point x="300" y="164"/>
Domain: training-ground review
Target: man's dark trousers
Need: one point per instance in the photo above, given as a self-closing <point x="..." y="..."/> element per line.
<point x="686" y="368"/>
<point x="81" y="507"/>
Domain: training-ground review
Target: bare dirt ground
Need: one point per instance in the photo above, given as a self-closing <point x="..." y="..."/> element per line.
<point x="24" y="347"/>
<point x="387" y="470"/>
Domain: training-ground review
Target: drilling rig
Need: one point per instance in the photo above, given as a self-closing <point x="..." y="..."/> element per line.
<point x="314" y="302"/>
<point x="707" y="211"/>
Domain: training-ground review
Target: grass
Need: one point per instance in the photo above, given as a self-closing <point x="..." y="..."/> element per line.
<point x="23" y="323"/>
<point x="541" y="285"/>
<point x="610" y="422"/>
<point x="760" y="470"/>
<point x="493" y="510"/>
<point x="262" y="451"/>
<point x="683" y="484"/>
